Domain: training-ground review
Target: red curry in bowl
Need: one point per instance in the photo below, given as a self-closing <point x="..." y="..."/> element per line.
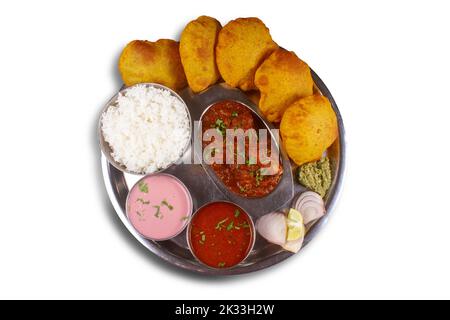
<point x="244" y="179"/>
<point x="221" y="234"/>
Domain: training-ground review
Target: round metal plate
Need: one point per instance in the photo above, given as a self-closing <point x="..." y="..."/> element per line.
<point x="203" y="189"/>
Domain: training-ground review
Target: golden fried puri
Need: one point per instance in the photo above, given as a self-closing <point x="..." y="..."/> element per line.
<point x="197" y="51"/>
<point x="308" y="127"/>
<point x="159" y="62"/>
<point x="241" y="47"/>
<point x="282" y="78"/>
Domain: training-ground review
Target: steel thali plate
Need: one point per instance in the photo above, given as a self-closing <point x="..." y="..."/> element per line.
<point x="204" y="187"/>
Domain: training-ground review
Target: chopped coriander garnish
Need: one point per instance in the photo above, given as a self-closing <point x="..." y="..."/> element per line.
<point x="245" y="225"/>
<point x="158" y="212"/>
<point x="242" y="189"/>
<point x="143" y="187"/>
<point x="258" y="177"/>
<point x="168" y="205"/>
<point x="234" y="114"/>
<point x="221" y="264"/>
<point x="220" y="126"/>
<point x="237" y="213"/>
<point x="220" y="224"/>
<point x="230" y="226"/>
<point x="142" y="201"/>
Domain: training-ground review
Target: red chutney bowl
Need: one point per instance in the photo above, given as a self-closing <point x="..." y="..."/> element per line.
<point x="221" y="235"/>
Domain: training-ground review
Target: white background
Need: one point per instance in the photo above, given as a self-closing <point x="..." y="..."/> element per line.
<point x="387" y="65"/>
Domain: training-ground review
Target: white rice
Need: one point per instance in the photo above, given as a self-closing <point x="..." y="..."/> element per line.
<point x="147" y="129"/>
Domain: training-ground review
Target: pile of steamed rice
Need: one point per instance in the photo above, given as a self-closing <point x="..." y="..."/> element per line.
<point x="147" y="129"/>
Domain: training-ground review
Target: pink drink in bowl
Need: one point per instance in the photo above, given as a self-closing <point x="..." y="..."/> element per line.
<point x="159" y="206"/>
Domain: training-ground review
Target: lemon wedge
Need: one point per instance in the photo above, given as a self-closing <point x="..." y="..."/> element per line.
<point x="295" y="226"/>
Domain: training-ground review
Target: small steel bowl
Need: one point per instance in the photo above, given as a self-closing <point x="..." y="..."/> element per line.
<point x="188" y="215"/>
<point x="252" y="227"/>
<point x="106" y="148"/>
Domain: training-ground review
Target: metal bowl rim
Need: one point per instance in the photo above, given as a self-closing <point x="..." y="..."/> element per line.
<point x="272" y="138"/>
<point x="102" y="142"/>
<point x="191" y="205"/>
<point x="268" y="261"/>
<point x="188" y="233"/>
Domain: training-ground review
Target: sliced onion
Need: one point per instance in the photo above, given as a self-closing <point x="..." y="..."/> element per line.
<point x="293" y="246"/>
<point x="273" y="228"/>
<point x="311" y="206"/>
<point x="308" y="196"/>
<point x="311" y="193"/>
